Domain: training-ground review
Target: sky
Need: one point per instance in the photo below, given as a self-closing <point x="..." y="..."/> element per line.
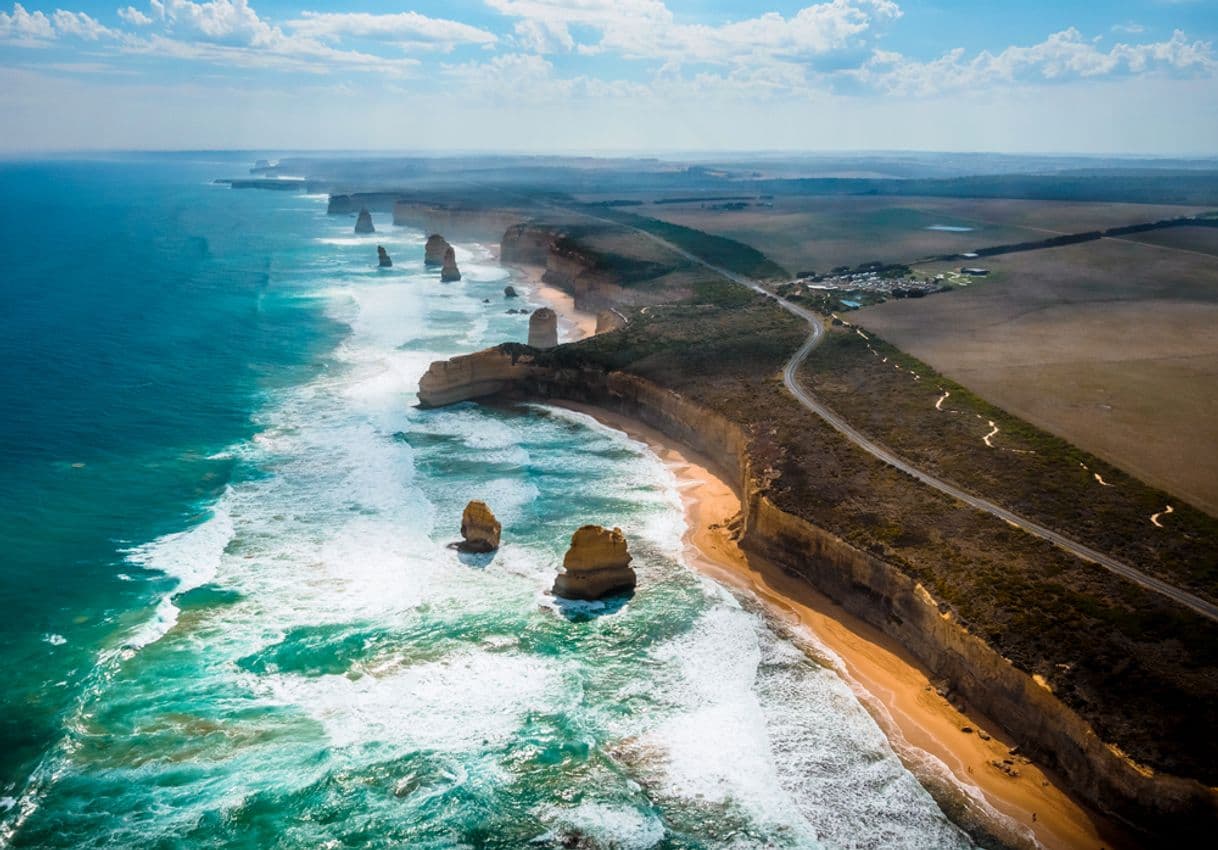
<point x="612" y="76"/>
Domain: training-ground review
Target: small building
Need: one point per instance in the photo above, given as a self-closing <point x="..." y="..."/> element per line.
<point x="974" y="271"/>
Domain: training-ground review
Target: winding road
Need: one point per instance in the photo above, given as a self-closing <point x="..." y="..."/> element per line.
<point x="790" y="377"/>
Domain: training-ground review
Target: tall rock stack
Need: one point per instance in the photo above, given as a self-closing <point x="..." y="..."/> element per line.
<point x="543" y="328"/>
<point x="479" y="528"/>
<point x="596" y="565"/>
<point x="449" y="270"/>
<point x="433" y="251"/>
<point x="382" y="257"/>
<point x="363" y="223"/>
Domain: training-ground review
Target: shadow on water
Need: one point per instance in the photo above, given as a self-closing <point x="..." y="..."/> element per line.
<point x="582" y="610"/>
<point x="476" y="560"/>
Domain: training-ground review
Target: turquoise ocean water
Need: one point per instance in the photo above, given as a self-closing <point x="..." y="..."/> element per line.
<point x="231" y="618"/>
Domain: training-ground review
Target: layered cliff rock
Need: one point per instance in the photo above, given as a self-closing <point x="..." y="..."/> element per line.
<point x="449" y="270"/>
<point x="543" y="328"/>
<point x="457" y="220"/>
<point x="877" y="591"/>
<point x="382" y="257"/>
<point x="596" y="565"/>
<point x="363" y="223"/>
<point x="480" y="529"/>
<point x="569" y="265"/>
<point x="353" y="203"/>
<point x="472" y="376"/>
<point x="528" y="244"/>
<point x="433" y="251"/>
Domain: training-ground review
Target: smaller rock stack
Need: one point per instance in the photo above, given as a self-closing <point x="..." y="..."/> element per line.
<point x="596" y="565"/>
<point x="382" y="257"/>
<point x="479" y="528"/>
<point x="433" y="251"/>
<point x="509" y="292"/>
<point x="363" y="222"/>
<point x="543" y="328"/>
<point x="449" y="270"/>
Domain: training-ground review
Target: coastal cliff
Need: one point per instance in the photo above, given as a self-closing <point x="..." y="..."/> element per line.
<point x="576" y="269"/>
<point x="457" y="221"/>
<point x="868" y="586"/>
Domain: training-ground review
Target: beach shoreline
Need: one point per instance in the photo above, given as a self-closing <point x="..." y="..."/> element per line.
<point x="573" y="323"/>
<point x="977" y="774"/>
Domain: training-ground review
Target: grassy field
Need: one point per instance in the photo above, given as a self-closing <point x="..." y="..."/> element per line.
<point x="820" y="233"/>
<point x="942" y="427"/>
<point x="1108" y="344"/>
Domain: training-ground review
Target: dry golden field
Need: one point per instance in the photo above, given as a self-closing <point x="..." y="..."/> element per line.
<point x="1112" y="345"/>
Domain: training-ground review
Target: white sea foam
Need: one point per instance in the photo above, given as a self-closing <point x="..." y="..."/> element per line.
<point x="191" y="556"/>
<point x="607" y="826"/>
<point x="344" y="527"/>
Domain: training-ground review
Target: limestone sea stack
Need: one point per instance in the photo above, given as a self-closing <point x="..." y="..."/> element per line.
<point x="596" y="565"/>
<point x="382" y="257"/>
<point x="479" y="528"/>
<point x="449" y="271"/>
<point x="509" y="292"/>
<point x="363" y="223"/>
<point x="433" y="251"/>
<point x="543" y="328"/>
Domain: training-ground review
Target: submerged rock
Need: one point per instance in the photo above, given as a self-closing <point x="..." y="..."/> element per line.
<point x="596" y="565"/>
<point x="433" y="251"/>
<point x="509" y="292"/>
<point x="450" y="270"/>
<point x="479" y="528"/>
<point x="382" y="257"/>
<point x="543" y="328"/>
<point x="363" y="223"/>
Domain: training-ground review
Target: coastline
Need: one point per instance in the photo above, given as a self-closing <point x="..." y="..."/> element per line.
<point x="573" y="323"/>
<point x="923" y="727"/>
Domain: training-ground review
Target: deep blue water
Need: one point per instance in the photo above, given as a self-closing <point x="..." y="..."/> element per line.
<point x="231" y="618"/>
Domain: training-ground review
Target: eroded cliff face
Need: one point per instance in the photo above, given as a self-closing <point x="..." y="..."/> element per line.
<point x="876" y="591"/>
<point x="569" y="267"/>
<point x="456" y="222"/>
<point x="526" y="243"/>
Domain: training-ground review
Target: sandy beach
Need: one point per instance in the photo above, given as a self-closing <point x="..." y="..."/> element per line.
<point x="923" y="727"/>
<point x="573" y="323"/>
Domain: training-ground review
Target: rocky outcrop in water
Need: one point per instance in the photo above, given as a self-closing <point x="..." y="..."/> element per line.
<point x="449" y="270"/>
<point x="596" y="565"/>
<point x="543" y="328"/>
<point x="471" y="376"/>
<point x="509" y="292"/>
<point x="382" y="258"/>
<point x="433" y="251"/>
<point x="363" y="224"/>
<point x="479" y="528"/>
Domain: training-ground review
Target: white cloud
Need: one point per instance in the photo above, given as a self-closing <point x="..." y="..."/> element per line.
<point x="647" y="29"/>
<point x="230" y="21"/>
<point x="80" y="25"/>
<point x="1063" y="56"/>
<point x="408" y="28"/>
<point x="25" y="27"/>
<point x="134" y="17"/>
<point x="1130" y="28"/>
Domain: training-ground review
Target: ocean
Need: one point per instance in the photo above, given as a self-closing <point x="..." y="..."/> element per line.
<point x="232" y="617"/>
